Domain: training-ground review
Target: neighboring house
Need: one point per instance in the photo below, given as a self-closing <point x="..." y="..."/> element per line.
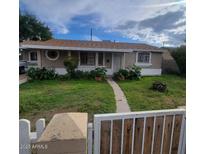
<point x="169" y="65"/>
<point x="92" y="54"/>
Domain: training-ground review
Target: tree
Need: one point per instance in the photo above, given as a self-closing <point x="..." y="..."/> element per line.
<point x="179" y="55"/>
<point x="32" y="29"/>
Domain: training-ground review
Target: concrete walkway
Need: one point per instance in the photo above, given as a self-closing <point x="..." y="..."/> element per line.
<point x="120" y="98"/>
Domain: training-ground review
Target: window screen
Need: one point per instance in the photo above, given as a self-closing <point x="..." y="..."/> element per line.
<point x="144" y="57"/>
<point x="33" y="56"/>
<point x="87" y="58"/>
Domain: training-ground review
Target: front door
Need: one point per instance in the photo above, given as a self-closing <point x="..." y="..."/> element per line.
<point x="117" y="63"/>
<point x="108" y="63"/>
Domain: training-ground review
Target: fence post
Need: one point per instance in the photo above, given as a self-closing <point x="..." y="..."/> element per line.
<point x="40" y="126"/>
<point x="65" y="133"/>
<point x="182" y="133"/>
<point x="24" y="136"/>
<point x="90" y="138"/>
<point x="183" y="149"/>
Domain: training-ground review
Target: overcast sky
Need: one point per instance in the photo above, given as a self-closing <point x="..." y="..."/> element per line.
<point x="143" y="21"/>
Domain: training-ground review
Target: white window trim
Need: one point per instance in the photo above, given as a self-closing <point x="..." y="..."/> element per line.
<point x="52" y="59"/>
<point x="141" y="63"/>
<point x="29" y="57"/>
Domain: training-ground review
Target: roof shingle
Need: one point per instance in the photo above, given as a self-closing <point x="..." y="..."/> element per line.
<point x="92" y="44"/>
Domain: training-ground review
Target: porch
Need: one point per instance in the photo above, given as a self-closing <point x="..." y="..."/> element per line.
<point x="87" y="60"/>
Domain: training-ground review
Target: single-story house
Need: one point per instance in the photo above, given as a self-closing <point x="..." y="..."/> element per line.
<point x="92" y="54"/>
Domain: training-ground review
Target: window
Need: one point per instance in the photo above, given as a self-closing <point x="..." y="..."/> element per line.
<point x="87" y="58"/>
<point x="143" y="57"/>
<point x="100" y="59"/>
<point x="52" y="55"/>
<point x="33" y="56"/>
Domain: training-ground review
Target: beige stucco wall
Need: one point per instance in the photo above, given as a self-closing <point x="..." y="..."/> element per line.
<point x="130" y="59"/>
<point x="57" y="63"/>
<point x="45" y="62"/>
<point x="156" y="60"/>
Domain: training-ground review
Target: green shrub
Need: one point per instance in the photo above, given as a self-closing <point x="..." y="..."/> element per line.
<point x="118" y="76"/>
<point x="32" y="73"/>
<point x="76" y="75"/>
<point x="92" y="74"/>
<point x="41" y="74"/>
<point x="64" y="77"/>
<point x="133" y="73"/>
<point x="122" y="74"/>
<point x="80" y="75"/>
<point x="87" y="75"/>
<point x="159" y="86"/>
<point x="70" y="64"/>
<point x="100" y="72"/>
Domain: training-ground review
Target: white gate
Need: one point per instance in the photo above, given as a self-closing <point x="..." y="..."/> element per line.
<point x="162" y="131"/>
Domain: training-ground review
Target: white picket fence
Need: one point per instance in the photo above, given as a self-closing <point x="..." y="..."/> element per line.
<point x="26" y="137"/>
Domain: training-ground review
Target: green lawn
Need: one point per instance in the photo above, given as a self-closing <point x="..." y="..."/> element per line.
<point x="45" y="98"/>
<point x="140" y="97"/>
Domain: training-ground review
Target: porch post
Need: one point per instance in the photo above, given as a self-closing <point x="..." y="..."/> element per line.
<point x="69" y="53"/>
<point x="96" y="59"/>
<point x="39" y="58"/>
<point x="103" y="59"/>
<point x="112" y="61"/>
<point x="78" y="58"/>
<point x="123" y="61"/>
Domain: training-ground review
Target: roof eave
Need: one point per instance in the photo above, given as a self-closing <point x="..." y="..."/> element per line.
<point x="25" y="46"/>
<point x="29" y="46"/>
<point x="149" y="50"/>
